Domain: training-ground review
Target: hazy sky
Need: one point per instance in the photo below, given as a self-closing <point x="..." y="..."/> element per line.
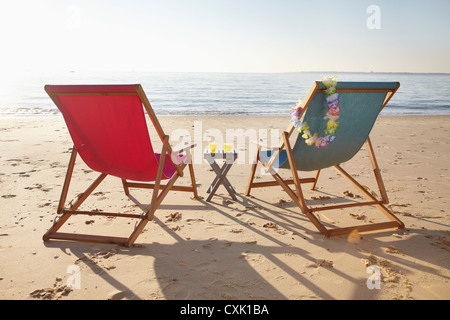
<point x="225" y="35"/>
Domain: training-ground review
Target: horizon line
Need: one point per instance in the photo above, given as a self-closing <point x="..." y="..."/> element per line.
<point x="250" y="72"/>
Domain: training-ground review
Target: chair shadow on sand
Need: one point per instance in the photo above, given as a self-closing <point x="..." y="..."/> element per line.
<point x="221" y="269"/>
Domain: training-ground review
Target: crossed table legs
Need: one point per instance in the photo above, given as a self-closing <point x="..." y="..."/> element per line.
<point x="221" y="172"/>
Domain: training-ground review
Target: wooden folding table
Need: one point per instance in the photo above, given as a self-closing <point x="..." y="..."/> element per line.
<point x="221" y="172"/>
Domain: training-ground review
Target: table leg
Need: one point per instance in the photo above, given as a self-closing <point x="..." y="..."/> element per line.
<point x="221" y="178"/>
<point x="219" y="172"/>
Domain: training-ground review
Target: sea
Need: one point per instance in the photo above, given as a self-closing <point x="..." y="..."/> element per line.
<point x="222" y="94"/>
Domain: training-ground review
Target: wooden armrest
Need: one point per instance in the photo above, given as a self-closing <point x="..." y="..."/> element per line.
<point x="184" y="148"/>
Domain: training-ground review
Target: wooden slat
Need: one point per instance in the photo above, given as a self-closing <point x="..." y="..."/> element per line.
<point x="347" y="205"/>
<point x="360" y="90"/>
<point x="94" y="93"/>
<point x="105" y="214"/>
<point x="161" y="186"/>
<point x="274" y="183"/>
<point x="364" y="228"/>
<point x="87" y="238"/>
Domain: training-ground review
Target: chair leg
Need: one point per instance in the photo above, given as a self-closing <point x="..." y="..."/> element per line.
<point x="252" y="172"/>
<point x="250" y="180"/>
<point x="376" y="171"/>
<point x="313" y="186"/>
<point x="58" y="223"/>
<point x="294" y="172"/>
<point x="301" y="204"/>
<point x="153" y="206"/>
<point x="301" y="199"/>
<point x="193" y="182"/>
<point x="370" y="197"/>
<point x="137" y="231"/>
<point x="63" y="198"/>
<point x="125" y="187"/>
<point x="155" y="195"/>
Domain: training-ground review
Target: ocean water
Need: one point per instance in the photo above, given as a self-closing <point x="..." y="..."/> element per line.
<point x="220" y="94"/>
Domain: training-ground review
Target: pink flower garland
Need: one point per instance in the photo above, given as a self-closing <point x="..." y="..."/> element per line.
<point x="332" y="116"/>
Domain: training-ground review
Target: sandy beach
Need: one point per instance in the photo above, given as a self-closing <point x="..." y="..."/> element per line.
<point x="256" y="248"/>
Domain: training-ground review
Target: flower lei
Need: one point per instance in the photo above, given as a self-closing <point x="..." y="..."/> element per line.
<point x="332" y="116"/>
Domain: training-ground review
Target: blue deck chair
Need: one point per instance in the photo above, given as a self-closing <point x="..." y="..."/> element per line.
<point x="360" y="102"/>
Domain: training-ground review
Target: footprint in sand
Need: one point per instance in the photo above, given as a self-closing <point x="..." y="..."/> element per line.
<point x="9" y="196"/>
<point x="173" y="217"/>
<point x="56" y="292"/>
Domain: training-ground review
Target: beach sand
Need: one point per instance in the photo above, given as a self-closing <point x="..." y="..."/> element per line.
<point x="258" y="247"/>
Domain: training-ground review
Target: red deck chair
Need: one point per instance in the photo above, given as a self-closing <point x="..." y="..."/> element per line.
<point x="108" y="127"/>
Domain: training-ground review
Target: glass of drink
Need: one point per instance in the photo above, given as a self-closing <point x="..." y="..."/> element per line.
<point x="213" y="147"/>
<point x="228" y="147"/>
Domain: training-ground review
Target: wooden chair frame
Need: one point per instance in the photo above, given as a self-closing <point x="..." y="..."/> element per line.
<point x="156" y="199"/>
<point x="297" y="194"/>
